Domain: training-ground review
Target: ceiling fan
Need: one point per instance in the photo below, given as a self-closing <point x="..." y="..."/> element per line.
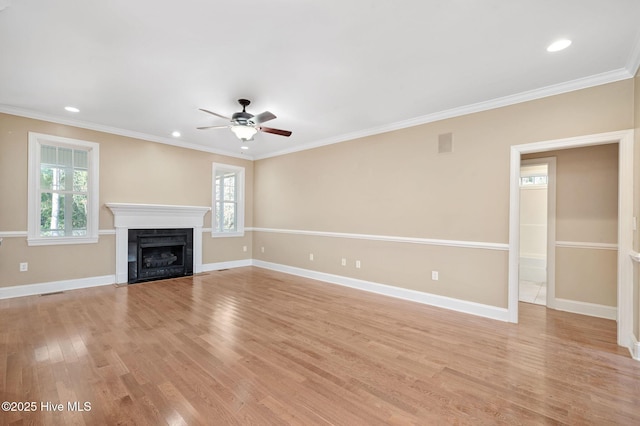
<point x="245" y="125"/>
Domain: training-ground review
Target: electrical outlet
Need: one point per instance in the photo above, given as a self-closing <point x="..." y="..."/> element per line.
<point x="244" y="248"/>
<point x="262" y="249"/>
<point x="310" y="256"/>
<point x="358" y="264"/>
<point x="344" y="262"/>
<point x="24" y="267"/>
<point x="434" y="275"/>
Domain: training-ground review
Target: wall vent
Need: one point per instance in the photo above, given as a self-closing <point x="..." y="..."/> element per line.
<point x="445" y="143"/>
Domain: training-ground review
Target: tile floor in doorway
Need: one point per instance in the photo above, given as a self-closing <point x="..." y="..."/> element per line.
<point x="533" y="292"/>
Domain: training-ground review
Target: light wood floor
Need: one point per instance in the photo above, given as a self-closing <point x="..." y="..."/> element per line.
<point x="251" y="346"/>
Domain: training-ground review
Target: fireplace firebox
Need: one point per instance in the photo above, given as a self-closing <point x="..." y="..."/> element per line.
<point x="156" y="254"/>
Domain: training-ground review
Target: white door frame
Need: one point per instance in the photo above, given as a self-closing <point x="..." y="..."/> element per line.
<point x="624" y="139"/>
<point x="551" y="225"/>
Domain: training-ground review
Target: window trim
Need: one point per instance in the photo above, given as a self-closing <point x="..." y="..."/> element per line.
<point x="240" y="173"/>
<point x="36" y="140"/>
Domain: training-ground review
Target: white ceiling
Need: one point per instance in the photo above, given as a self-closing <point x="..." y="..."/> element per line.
<point x="330" y="70"/>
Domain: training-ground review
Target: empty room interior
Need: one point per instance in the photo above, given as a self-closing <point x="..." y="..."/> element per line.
<point x="319" y="213"/>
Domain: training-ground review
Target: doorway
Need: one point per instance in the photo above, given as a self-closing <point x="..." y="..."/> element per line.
<point x="536" y="211"/>
<point x="625" y="140"/>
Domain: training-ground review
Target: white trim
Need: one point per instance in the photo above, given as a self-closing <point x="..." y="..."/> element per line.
<point x="389" y="238"/>
<point x="587" y="245"/>
<point x="543" y="92"/>
<point x="14" y="234"/>
<point x="634" y="348"/>
<point x="625" y="140"/>
<point x="633" y="62"/>
<point x="55" y="286"/>
<point x="635" y="256"/>
<point x="585" y="308"/>
<point x="7" y="109"/>
<point x="107" y="232"/>
<point x="152" y="216"/>
<point x="458" y="305"/>
<point x="208" y="267"/>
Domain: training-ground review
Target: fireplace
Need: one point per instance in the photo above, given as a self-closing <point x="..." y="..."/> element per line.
<point x="158" y="218"/>
<point x="155" y="254"/>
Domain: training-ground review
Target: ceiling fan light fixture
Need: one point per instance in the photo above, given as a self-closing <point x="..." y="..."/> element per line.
<point x="244" y="132"/>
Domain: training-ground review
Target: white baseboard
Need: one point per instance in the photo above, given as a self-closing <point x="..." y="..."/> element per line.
<point x="226" y="265"/>
<point x="533" y="269"/>
<point x="458" y="305"/>
<point x="584" y="308"/>
<point x="634" y="347"/>
<point x="55" y="286"/>
<point x="74" y="284"/>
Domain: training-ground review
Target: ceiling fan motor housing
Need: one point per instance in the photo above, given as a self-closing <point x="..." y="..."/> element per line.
<point x="241" y="117"/>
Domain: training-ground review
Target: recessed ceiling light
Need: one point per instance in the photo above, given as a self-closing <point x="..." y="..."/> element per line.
<point x="556" y="46"/>
<point x="71" y="109"/>
<point x="244" y="147"/>
<point x="175" y="134"/>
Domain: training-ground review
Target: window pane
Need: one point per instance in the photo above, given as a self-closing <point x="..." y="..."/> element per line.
<point x="52" y="214"/>
<point x="79" y="218"/>
<point x="65" y="157"/>
<point x="48" y="155"/>
<point x="52" y="178"/>
<point x="80" y="159"/>
<point x="46" y="177"/>
<point x="229" y="193"/>
<point x="229" y="216"/>
<point x="219" y="215"/>
<point x="80" y="178"/>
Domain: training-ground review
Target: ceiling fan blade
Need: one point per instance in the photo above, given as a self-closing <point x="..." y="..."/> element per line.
<point x="275" y="131"/>
<point x="261" y="118"/>
<point x="215" y="113"/>
<point x="212" y="127"/>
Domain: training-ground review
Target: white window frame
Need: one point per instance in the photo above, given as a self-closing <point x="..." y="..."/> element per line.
<point x="240" y="197"/>
<point x="36" y="141"/>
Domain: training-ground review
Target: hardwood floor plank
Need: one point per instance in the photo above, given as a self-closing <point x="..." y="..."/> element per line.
<point x="252" y="346"/>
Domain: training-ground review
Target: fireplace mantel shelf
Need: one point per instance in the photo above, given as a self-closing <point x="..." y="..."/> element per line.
<point x="157" y="215"/>
<point x="154" y="216"/>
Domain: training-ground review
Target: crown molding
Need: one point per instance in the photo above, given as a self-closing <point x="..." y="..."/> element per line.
<point x="7" y="109"/>
<point x="555" y="89"/>
<point x="633" y="63"/>
<point x="627" y="72"/>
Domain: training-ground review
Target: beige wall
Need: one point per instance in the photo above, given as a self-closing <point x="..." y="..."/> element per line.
<point x="396" y="184"/>
<point x="131" y="171"/>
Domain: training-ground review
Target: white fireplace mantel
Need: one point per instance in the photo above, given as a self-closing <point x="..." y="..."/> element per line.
<point x="155" y="216"/>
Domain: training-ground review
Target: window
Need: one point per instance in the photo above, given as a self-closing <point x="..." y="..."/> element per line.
<point x="534" y="180"/>
<point x="228" y="200"/>
<point x="63" y="190"/>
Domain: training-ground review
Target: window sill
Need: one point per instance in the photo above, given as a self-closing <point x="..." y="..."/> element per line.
<point x="227" y="234"/>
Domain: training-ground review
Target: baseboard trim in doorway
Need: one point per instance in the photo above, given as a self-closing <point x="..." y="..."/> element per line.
<point x="473" y="308"/>
<point x="584" y="308"/>
<point x="634" y="348"/>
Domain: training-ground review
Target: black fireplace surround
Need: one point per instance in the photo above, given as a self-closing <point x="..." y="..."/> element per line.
<point x="156" y="254"/>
